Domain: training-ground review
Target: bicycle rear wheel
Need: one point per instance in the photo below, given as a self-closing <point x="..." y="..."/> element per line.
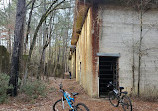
<point x="126" y="103"/>
<point x="113" y="99"/>
<point x="59" y="105"/>
<point x="81" y="107"/>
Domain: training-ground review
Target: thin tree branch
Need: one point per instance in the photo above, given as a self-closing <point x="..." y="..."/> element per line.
<point x="29" y="3"/>
<point x="43" y="18"/>
<point x="29" y="21"/>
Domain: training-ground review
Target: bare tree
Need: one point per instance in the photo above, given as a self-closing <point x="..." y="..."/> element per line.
<point x="43" y="18"/>
<point x="141" y="6"/>
<point x="28" y="25"/>
<point x="9" y="29"/>
<point x="18" y="38"/>
<point x="50" y="9"/>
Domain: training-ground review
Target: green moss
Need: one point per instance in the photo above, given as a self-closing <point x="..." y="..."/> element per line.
<point x="24" y="57"/>
<point x="4" y="60"/>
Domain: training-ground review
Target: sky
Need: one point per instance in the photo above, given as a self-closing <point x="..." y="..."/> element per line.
<point x="4" y="3"/>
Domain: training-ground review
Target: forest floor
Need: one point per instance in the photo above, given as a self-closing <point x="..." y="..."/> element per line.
<point x="94" y="104"/>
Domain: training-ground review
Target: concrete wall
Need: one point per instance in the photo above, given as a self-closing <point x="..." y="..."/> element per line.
<point x="84" y="56"/>
<point x="120" y="33"/>
<point x="73" y="65"/>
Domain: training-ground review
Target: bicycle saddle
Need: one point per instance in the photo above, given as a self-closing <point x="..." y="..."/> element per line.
<point x="121" y="87"/>
<point x="74" y="94"/>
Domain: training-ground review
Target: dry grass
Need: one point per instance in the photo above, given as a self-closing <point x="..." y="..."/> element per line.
<point x="94" y="104"/>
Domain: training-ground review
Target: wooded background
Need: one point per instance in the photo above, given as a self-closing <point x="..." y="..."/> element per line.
<point x="36" y="34"/>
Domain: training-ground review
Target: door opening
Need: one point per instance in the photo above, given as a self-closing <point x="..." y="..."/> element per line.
<point x="108" y="71"/>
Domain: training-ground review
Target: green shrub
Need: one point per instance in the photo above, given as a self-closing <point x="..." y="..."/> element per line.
<point x="34" y="89"/>
<point x="4" y="80"/>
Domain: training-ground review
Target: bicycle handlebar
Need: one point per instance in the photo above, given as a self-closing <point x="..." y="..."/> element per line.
<point x="61" y="87"/>
<point x="62" y="90"/>
<point x="110" y="84"/>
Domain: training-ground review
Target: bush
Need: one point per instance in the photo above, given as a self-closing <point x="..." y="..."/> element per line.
<point x="34" y="89"/>
<point x="4" y="80"/>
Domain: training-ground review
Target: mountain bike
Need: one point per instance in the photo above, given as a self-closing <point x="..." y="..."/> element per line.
<point x="117" y="97"/>
<point x="67" y="103"/>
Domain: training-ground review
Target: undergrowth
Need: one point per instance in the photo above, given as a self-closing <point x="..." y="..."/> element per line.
<point x="4" y="80"/>
<point x="33" y="90"/>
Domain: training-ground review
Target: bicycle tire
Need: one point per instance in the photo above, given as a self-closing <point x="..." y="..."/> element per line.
<point x="126" y="103"/>
<point x="81" y="107"/>
<point x="58" y="106"/>
<point x="113" y="99"/>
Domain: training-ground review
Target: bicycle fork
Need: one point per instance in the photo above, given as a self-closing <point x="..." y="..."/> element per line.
<point x="63" y="103"/>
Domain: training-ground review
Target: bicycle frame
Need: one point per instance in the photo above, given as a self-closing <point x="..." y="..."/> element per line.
<point x="115" y="90"/>
<point x="68" y="99"/>
<point x="118" y="93"/>
<point x="120" y="96"/>
<point x="59" y="104"/>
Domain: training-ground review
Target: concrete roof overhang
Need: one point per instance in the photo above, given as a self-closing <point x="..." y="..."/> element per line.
<point x="81" y="10"/>
<point x="80" y="15"/>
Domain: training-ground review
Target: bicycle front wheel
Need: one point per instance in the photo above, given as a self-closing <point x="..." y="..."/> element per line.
<point x="113" y="99"/>
<point x="81" y="107"/>
<point x="60" y="105"/>
<point x="126" y="103"/>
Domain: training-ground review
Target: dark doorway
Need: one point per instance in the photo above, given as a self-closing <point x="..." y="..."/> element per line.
<point x="108" y="71"/>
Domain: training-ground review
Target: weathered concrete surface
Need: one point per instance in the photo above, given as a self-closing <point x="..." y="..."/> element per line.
<point x="115" y="29"/>
<point x="73" y="65"/>
<point x="121" y="34"/>
<point x="84" y="56"/>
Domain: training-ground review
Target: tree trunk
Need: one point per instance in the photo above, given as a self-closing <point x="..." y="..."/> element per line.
<point x="18" y="38"/>
<point x="9" y="30"/>
<point x="45" y="32"/>
<point x="140" y="48"/>
<point x="43" y="18"/>
<point x="133" y="68"/>
<point x="28" y="26"/>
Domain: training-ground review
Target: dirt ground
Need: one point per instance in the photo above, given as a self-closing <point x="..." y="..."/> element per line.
<point x="94" y="104"/>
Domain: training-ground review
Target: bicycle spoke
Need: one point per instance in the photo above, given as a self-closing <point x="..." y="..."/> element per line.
<point x="126" y="103"/>
<point x="67" y="102"/>
<point x="113" y="99"/>
<point x="59" y="106"/>
<point x="81" y="107"/>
